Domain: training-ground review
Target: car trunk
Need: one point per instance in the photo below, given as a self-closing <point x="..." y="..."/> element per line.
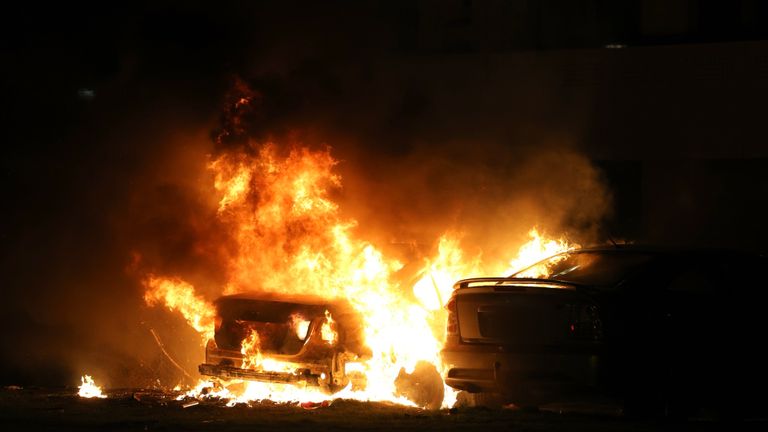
<point x="288" y="330"/>
<point x="525" y="316"/>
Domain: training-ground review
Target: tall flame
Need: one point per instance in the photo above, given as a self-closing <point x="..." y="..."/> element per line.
<point x="291" y="239"/>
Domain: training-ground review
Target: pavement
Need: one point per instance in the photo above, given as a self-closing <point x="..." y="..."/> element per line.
<point x="30" y="409"/>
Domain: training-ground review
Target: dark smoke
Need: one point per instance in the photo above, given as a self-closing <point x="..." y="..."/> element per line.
<point x="101" y="191"/>
<point x="408" y="188"/>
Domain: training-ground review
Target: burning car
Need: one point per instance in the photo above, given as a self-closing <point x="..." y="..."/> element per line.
<point x="302" y="341"/>
<point x="659" y="331"/>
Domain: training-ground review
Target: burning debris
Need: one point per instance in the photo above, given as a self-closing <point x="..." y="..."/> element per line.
<point x="88" y="389"/>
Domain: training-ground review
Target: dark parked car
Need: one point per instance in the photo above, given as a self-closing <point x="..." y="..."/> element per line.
<point x="291" y="331"/>
<point x="666" y="332"/>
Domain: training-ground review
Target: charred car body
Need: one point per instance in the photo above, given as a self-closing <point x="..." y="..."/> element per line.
<point x="659" y="331"/>
<point x="290" y="331"/>
<point x="305" y="342"/>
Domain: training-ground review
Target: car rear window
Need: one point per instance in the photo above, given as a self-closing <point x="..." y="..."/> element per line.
<point x="603" y="268"/>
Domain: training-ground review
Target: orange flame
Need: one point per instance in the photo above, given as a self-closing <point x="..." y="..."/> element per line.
<point x="176" y="294"/>
<point x="434" y="287"/>
<point x="436" y="284"/>
<point x="251" y="351"/>
<point x="327" y="331"/>
<point x="534" y="251"/>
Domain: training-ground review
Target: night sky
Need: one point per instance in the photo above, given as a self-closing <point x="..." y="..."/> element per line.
<point x="460" y="111"/>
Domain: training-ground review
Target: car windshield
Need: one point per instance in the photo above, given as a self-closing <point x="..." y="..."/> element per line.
<point x="599" y="268"/>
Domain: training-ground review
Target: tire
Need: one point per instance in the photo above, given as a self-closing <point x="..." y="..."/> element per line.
<point x="424" y="386"/>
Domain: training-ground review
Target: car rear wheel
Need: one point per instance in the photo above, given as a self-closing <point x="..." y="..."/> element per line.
<point x="424" y="386"/>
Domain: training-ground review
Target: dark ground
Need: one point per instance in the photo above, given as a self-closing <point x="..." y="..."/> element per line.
<point x="62" y="410"/>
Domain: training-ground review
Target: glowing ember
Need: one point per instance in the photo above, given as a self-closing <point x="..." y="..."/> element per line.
<point x="251" y="391"/>
<point x="89" y="389"/>
<point x="290" y="239"/>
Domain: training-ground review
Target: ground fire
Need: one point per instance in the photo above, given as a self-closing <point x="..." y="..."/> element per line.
<point x="88" y="389"/>
<point x="292" y="241"/>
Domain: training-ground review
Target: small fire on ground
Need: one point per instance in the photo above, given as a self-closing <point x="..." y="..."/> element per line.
<point x="291" y="239"/>
<point x="89" y="389"/>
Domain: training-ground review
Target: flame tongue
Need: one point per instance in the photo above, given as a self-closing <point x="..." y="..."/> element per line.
<point x="327" y="331"/>
<point x="290" y="239"/>
<point x="179" y="295"/>
<point x="251" y="351"/>
<point x="537" y="249"/>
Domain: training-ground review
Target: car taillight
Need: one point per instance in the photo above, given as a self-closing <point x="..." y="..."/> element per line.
<point x="452" y="324"/>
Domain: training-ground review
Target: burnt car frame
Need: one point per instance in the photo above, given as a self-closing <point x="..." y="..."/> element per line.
<point x="658" y="331"/>
<point x="312" y="360"/>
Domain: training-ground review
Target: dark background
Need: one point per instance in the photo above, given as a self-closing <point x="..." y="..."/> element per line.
<point x="106" y="109"/>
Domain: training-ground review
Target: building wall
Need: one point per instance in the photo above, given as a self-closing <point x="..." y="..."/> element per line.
<point x="678" y="130"/>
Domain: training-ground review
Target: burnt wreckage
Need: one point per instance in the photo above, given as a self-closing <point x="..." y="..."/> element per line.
<point x="313" y="360"/>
